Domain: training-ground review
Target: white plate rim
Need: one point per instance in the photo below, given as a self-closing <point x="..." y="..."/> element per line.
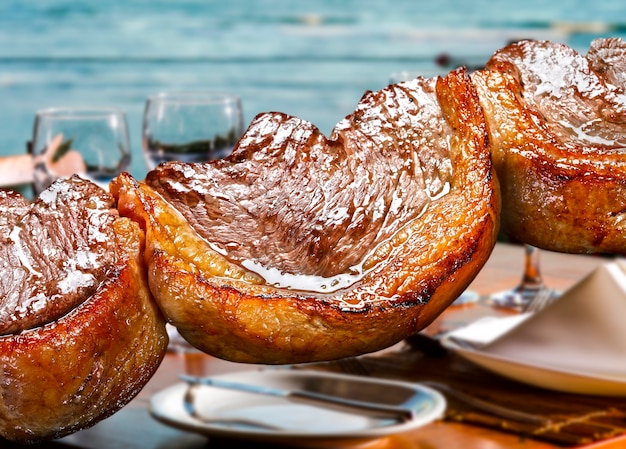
<point x="184" y="421"/>
<point x="549" y="377"/>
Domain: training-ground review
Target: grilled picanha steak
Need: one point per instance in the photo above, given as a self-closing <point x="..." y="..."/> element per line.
<point x="54" y="254"/>
<point x="557" y="127"/>
<point x="299" y="248"/>
<point x="291" y="200"/>
<point x="80" y="334"/>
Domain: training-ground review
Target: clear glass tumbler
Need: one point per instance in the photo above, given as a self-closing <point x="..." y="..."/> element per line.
<point x="190" y="126"/>
<point x="91" y="142"/>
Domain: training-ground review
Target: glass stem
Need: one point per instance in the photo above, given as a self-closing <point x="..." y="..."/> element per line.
<point x="531" y="279"/>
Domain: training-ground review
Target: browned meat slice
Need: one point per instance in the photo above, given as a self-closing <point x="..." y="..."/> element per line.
<point x="300" y="248"/>
<point x="54" y="254"/>
<point x="79" y="332"/>
<point x="607" y="58"/>
<point x="291" y="200"/>
<point x="557" y="126"/>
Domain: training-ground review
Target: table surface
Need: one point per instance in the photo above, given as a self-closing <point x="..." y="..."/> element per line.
<point x="133" y="427"/>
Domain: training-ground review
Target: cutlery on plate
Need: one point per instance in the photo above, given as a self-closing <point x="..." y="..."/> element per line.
<point x="401" y="413"/>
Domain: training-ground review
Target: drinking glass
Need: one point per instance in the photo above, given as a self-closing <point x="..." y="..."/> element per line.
<point x="91" y="142"/>
<point x="190" y="126"/>
<point x="531" y="284"/>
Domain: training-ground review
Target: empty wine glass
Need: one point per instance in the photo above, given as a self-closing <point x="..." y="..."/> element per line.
<point x="190" y="126"/>
<point x="91" y="142"/>
<point x="530" y="286"/>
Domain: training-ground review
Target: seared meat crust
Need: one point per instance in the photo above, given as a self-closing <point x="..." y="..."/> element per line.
<point x="419" y="217"/>
<point x="557" y="127"/>
<point x="81" y="334"/>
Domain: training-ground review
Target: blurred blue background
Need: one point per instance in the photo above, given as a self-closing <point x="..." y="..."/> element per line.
<point x="313" y="59"/>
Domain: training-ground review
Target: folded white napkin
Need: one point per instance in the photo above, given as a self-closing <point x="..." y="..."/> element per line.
<point x="584" y="330"/>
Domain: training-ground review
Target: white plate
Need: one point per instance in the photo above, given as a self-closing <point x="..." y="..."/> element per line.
<point x="550" y="377"/>
<point x="307" y="424"/>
